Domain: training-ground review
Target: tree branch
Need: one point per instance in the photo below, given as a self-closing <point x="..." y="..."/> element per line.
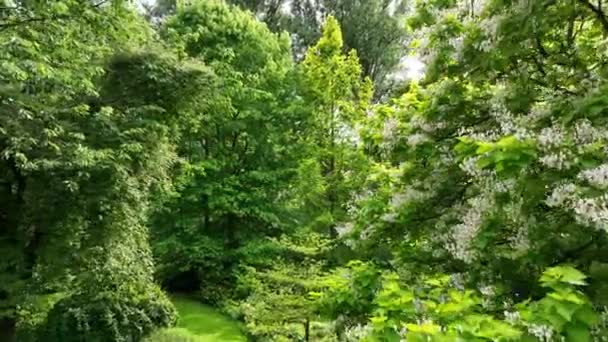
<point x="7" y="25"/>
<point x="17" y="22"/>
<point x="599" y="13"/>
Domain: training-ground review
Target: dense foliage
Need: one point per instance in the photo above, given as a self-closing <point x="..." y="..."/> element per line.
<point x="260" y="157"/>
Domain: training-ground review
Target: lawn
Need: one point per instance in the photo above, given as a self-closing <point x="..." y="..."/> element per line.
<point x="199" y="323"/>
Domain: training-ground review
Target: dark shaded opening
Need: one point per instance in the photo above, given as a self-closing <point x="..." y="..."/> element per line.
<point x="185" y="282"/>
<point x="7" y="330"/>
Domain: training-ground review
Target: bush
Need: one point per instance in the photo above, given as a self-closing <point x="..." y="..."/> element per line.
<point x="125" y="315"/>
<point x="32" y="315"/>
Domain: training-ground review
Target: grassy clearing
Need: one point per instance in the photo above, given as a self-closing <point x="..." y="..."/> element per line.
<point x="199" y="323"/>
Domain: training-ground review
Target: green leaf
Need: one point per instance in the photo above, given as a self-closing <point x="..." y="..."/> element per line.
<point x="564" y="274"/>
<point x="577" y="333"/>
<point x="587" y="316"/>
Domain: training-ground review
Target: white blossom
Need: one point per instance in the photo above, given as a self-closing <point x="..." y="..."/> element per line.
<point x="550" y="137"/>
<point x="488" y="290"/>
<point x="464" y="233"/>
<point x="505" y="185"/>
<point x="457" y="280"/>
<point x="426" y="126"/>
<point x="558" y="160"/>
<point x="389" y="217"/>
<point x="490" y="25"/>
<point x="592" y="211"/>
<point x="345" y="229"/>
<point x="458" y="44"/>
<point x="597" y="177"/>
<point x="512" y="317"/>
<point x="367" y="233"/>
<point x="537" y="113"/>
<point x="561" y="194"/>
<point x="417" y="139"/>
<point x="469" y="166"/>
<point x="520" y="242"/>
<point x="542" y="332"/>
<point x="357" y="333"/>
<point x="585" y="133"/>
<point x="391" y="128"/>
<point x="598" y="330"/>
<point x="403" y="198"/>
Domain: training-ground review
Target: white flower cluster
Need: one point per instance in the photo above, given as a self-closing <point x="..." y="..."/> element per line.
<point x="407" y="196"/>
<point x="562" y="194"/>
<point x="469" y="166"/>
<point x="598" y="332"/>
<point x="486" y="136"/>
<point x="352" y="207"/>
<point x="390" y="131"/>
<point x="592" y="211"/>
<point x="389" y="217"/>
<point x="458" y="44"/>
<point x="417" y="139"/>
<point x="472" y="220"/>
<point x="509" y="124"/>
<point x="477" y="6"/>
<point x="560" y="160"/>
<point x="504" y="185"/>
<point x="537" y="113"/>
<point x="597" y="177"/>
<point x="490" y="25"/>
<point x="543" y="332"/>
<point x="357" y="333"/>
<point x="345" y="229"/>
<point x="512" y="317"/>
<point x="585" y="133"/>
<point x="419" y="122"/>
<point x="367" y="233"/>
<point x="457" y="280"/>
<point x="488" y="290"/>
<point x="520" y="242"/>
<point x="550" y="137"/>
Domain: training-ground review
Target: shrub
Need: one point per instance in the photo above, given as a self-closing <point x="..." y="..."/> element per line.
<point x="32" y="315"/>
<point x="125" y="315"/>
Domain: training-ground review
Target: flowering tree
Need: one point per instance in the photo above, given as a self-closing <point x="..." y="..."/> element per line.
<point x="500" y="151"/>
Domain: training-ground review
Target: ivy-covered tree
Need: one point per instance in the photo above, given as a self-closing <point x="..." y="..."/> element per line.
<point x="86" y="139"/>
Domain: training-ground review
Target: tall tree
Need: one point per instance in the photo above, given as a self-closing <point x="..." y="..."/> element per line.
<point x="337" y="96"/>
<point x="241" y="154"/>
<point x="85" y="139"/>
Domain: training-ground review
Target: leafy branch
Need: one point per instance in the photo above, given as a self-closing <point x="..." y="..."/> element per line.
<point x="598" y="11"/>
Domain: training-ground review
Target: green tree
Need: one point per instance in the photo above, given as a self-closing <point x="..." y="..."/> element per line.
<point x="497" y="173"/>
<point x="337" y="97"/>
<point x="85" y="139"/>
<point x="239" y="155"/>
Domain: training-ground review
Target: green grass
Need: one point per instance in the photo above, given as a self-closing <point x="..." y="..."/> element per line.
<point x="199" y="323"/>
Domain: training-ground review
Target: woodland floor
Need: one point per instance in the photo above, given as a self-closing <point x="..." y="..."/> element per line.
<point x="204" y="324"/>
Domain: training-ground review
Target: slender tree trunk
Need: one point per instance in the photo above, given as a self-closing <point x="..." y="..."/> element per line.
<point x="307" y="330"/>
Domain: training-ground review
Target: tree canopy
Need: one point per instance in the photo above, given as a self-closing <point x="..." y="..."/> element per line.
<point x="261" y="157"/>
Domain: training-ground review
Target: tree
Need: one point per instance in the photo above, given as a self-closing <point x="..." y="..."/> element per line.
<point x="376" y="30"/>
<point x="240" y="155"/>
<point x="85" y="139"/>
<point x="337" y="97"/>
<point x="495" y="168"/>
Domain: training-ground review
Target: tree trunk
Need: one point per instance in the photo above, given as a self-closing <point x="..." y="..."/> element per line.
<point x="307" y="330"/>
